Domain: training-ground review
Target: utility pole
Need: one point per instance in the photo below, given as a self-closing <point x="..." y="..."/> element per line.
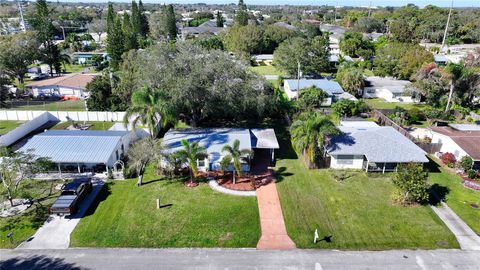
<point x="446" y="27"/>
<point x="335" y="18"/>
<point x="369" y="9"/>
<point x="298" y="77"/>
<point x="22" y="20"/>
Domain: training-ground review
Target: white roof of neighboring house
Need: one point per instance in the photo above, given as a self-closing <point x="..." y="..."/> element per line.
<point x="263" y="57"/>
<point x="378" y="144"/>
<point x="358" y="124"/>
<point x="390" y="84"/>
<point x="330" y="87"/>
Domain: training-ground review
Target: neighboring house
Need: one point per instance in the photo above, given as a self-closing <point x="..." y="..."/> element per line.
<point x="266" y="59"/>
<point x="389" y="89"/>
<point x="261" y="141"/>
<point x="460" y="140"/>
<point x="366" y="146"/>
<point x="440" y="59"/>
<point x="81" y="150"/>
<point x="72" y="85"/>
<point x="208" y="27"/>
<point x="332" y="88"/>
<point x="286" y="25"/>
<point x="336" y="33"/>
<point x="86" y="57"/>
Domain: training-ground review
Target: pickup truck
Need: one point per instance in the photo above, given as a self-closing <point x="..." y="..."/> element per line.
<point x="72" y="195"/>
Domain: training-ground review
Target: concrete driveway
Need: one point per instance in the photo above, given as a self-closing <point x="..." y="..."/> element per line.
<point x="55" y="232"/>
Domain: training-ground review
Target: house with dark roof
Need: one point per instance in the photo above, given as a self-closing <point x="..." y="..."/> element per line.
<point x="262" y="142"/>
<point x="332" y="88"/>
<point x="459" y="139"/>
<point x="71" y="85"/>
<point x="367" y="146"/>
<point x="389" y="89"/>
<point x="208" y="27"/>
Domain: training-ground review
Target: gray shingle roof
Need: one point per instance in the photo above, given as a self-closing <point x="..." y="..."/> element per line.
<point x="82" y="146"/>
<point x="378" y="144"/>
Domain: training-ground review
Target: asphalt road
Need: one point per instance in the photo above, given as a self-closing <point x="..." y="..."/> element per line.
<point x="70" y="259"/>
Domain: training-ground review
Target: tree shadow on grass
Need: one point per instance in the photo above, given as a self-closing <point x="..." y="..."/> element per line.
<point x="101" y="196"/>
<point x="280" y="174"/>
<point x="38" y="262"/>
<point x="432" y="166"/>
<point x="437" y="194"/>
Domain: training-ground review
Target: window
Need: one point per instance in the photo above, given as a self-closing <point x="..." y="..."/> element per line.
<point x="345" y="159"/>
<point x="201" y="162"/>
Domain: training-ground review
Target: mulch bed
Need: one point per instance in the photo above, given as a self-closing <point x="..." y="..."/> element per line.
<point x="247" y="182"/>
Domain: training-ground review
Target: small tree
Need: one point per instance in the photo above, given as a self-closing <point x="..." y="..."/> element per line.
<point x="466" y="163"/>
<point x="311" y="98"/>
<point x="411" y="181"/>
<point x="237" y="155"/>
<point x="225" y="163"/>
<point x="141" y="153"/>
<point x="17" y="167"/>
<point x="189" y="155"/>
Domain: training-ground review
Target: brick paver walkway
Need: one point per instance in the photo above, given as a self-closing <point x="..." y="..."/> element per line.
<point x="274" y="232"/>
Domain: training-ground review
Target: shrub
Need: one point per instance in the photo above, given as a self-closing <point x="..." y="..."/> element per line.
<point x="411" y="183"/>
<point x="449" y="159"/>
<point x="466" y="163"/>
<point x="472" y="174"/>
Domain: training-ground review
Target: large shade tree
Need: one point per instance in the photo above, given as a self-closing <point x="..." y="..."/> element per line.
<point x="151" y="108"/>
<point x="18" y="52"/>
<point x="191" y="153"/>
<point x="238" y="156"/>
<point x="309" y="132"/>
<point x="202" y="84"/>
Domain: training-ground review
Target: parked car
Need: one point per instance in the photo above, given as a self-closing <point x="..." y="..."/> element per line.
<point x="38" y="76"/>
<point x="72" y="195"/>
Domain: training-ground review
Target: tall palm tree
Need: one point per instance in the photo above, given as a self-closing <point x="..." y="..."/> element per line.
<point x="189" y="155"/>
<point x="237" y="155"/>
<point x="141" y="153"/>
<point x="151" y="108"/>
<point x="309" y="133"/>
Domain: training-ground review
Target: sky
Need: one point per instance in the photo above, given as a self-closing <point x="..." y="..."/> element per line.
<point x="421" y="3"/>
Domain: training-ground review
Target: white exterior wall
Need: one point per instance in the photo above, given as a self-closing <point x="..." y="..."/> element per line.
<point x="356" y="163"/>
<point x="448" y="145"/>
<point x="385" y="94"/>
<point x="290" y="94"/>
<point x="62" y="115"/>
<point x="126" y="141"/>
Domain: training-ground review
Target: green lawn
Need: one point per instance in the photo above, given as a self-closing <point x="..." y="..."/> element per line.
<point x="378" y="103"/>
<point x="71" y="68"/>
<point x="95" y="125"/>
<point x="267" y="70"/>
<point x="25" y="224"/>
<point x="458" y="197"/>
<point x="358" y="213"/>
<point x="126" y="216"/>
<point x="7" y="126"/>
<point x="68" y="105"/>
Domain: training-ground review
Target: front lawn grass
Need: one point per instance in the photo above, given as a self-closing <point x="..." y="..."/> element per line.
<point x="67" y="105"/>
<point x="378" y="103"/>
<point x="267" y="70"/>
<point x="95" y="125"/>
<point x="25" y="224"/>
<point x="126" y="216"/>
<point x="7" y="126"/>
<point x="458" y="197"/>
<point x="357" y="213"/>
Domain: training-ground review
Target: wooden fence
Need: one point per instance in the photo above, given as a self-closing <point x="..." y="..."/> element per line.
<point x="383" y="120"/>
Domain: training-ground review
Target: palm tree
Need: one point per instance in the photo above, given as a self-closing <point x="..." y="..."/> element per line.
<point x="65" y="59"/>
<point x="237" y="156"/>
<point x="189" y="155"/>
<point x="141" y="153"/>
<point x="225" y="163"/>
<point x="454" y="73"/>
<point x="151" y="108"/>
<point x="309" y="133"/>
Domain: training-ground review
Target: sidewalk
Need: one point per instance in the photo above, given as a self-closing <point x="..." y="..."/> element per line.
<point x="466" y="237"/>
<point x="274" y="232"/>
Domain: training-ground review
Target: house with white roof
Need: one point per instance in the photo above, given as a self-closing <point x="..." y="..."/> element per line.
<point x="261" y="141"/>
<point x="363" y="145"/>
<point x="332" y="88"/>
<point x="389" y="89"/>
<point x="81" y="150"/>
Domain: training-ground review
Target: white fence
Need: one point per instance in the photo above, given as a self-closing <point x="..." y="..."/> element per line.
<point x="26" y="128"/>
<point x="62" y="116"/>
